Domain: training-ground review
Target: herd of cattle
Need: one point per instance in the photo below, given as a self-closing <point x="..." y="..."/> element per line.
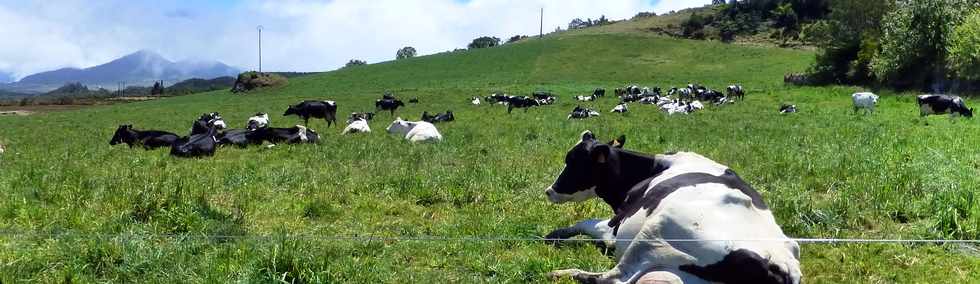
<point x="675" y="101"/>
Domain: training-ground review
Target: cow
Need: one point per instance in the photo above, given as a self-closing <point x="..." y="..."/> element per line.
<point x="599" y="92"/>
<point x="197" y="145"/>
<point x="259" y="120"/>
<point x="662" y="206"/>
<point x="586" y="98"/>
<point x="475" y="101"/>
<point x="357" y="125"/>
<point x="521" y="102"/>
<point x="206" y="121"/>
<point x="294" y="135"/>
<point x="326" y="110"/>
<point x="413" y="100"/>
<point x="388" y="104"/>
<point x="582" y="113"/>
<point x="366" y="116"/>
<point x="736" y="92"/>
<point x="633" y="90"/>
<point x="150" y="139"/>
<point x="628" y="98"/>
<point x="787" y="108"/>
<point x="865" y="101"/>
<point x="415" y="131"/>
<point x="651" y="100"/>
<point x="942" y="104"/>
<point x="712" y="96"/>
<point x="619" y="92"/>
<point x="620" y="108"/>
<point x="439" y="117"/>
<point x="542" y="95"/>
<point x="498" y="98"/>
<point x="238" y="137"/>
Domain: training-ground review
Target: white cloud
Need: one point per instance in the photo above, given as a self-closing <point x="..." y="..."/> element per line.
<point x="297" y="35"/>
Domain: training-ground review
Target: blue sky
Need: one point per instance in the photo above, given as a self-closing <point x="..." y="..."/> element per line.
<point x="298" y="35"/>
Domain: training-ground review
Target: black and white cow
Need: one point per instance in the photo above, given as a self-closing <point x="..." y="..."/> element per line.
<point x="244" y="137"/>
<point x="294" y="135"/>
<point x="413" y="100"/>
<point x="389" y="104"/>
<point x="620" y="108"/>
<point x="326" y="110"/>
<point x="942" y="104"/>
<point x="712" y="96"/>
<point x="439" y="117"/>
<point x="663" y="205"/>
<point x="787" y="108"/>
<point x="736" y="92"/>
<point x="634" y="90"/>
<point x="498" y="98"/>
<point x="197" y="145"/>
<point x="542" y="95"/>
<point x="149" y="139"/>
<point x="582" y="113"/>
<point x="599" y="92"/>
<point x="366" y="116"/>
<point x="206" y="121"/>
<point x="521" y="102"/>
<point x="588" y="98"/>
<point x="259" y="120"/>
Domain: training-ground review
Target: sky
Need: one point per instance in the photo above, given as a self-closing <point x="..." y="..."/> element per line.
<point x="297" y="35"/>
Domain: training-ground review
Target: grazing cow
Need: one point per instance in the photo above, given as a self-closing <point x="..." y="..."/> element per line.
<point x="326" y="110"/>
<point x="521" y="102"/>
<point x="599" y="92"/>
<point x="149" y="139"/>
<point x="736" y="92"/>
<point x="259" y="120"/>
<point x="864" y="101"/>
<point x="295" y="135"/>
<point x="475" y="101"/>
<point x="787" y="108"/>
<point x="415" y="131"/>
<point x="206" y="121"/>
<point x="357" y="125"/>
<point x="660" y="204"/>
<point x="388" y="104"/>
<point x="942" y="104"/>
<point x="620" y="108"/>
<point x="413" y="100"/>
<point x="367" y="116"/>
<point x="582" y="113"/>
<point x="197" y="145"/>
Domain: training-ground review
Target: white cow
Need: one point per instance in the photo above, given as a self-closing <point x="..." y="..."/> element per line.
<point x="259" y="120"/>
<point x="865" y="100"/>
<point x="677" y="216"/>
<point x="358" y="125"/>
<point x="475" y="101"/>
<point x="415" y="131"/>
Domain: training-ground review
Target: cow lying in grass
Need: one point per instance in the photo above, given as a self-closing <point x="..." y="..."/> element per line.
<point x="197" y="145"/>
<point x="149" y="139"/>
<point x="676" y="217"/>
<point x="415" y="131"/>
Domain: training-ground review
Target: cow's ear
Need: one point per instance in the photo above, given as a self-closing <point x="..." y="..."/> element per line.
<point x="587" y="136"/>
<point x="600" y="153"/>
<point x="618" y="142"/>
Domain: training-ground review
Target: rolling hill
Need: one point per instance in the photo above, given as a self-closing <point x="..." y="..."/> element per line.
<point x="140" y="68"/>
<point x="87" y="212"/>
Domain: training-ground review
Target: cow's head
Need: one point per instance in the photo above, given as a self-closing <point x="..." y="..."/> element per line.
<point x="967" y="112"/>
<point x="212" y="119"/>
<point x="291" y="110"/>
<point x="583" y="165"/>
<point x="124" y="134"/>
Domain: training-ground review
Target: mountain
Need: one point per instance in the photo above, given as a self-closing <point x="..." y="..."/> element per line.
<point x="141" y="68"/>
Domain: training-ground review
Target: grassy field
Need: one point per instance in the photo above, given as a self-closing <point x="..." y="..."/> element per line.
<point x="74" y="208"/>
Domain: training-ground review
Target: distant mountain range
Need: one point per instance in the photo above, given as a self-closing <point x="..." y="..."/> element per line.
<point x="141" y="68"/>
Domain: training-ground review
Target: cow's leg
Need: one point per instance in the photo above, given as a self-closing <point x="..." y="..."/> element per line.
<point x="598" y="230"/>
<point x="509" y="109"/>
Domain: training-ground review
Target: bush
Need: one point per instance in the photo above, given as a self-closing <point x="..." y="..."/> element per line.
<point x="253" y="80"/>
<point x="355" y="62"/>
<point x="693" y="26"/>
<point x="964" y="48"/>
<point x="405" y="52"/>
<point x="484" y="42"/>
<point x="516" y="38"/>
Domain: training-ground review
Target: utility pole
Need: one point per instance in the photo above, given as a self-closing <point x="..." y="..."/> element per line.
<point x="541" y="26"/>
<point x="260" y="47"/>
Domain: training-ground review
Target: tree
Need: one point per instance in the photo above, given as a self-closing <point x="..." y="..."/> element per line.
<point x="405" y="52"/>
<point x="964" y="48"/>
<point x="694" y="26"/>
<point x="484" y="42"/>
<point x="355" y="62"/>
<point x="157" y="89"/>
<point x="913" y="41"/>
<point x="852" y="27"/>
<point x="785" y="17"/>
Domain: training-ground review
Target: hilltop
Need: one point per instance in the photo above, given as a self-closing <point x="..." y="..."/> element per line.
<point x="282" y="214"/>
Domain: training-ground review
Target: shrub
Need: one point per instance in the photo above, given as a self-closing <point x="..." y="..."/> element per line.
<point x="355" y="62"/>
<point x="253" y="80"/>
<point x="484" y="42"/>
<point x="405" y="52"/>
